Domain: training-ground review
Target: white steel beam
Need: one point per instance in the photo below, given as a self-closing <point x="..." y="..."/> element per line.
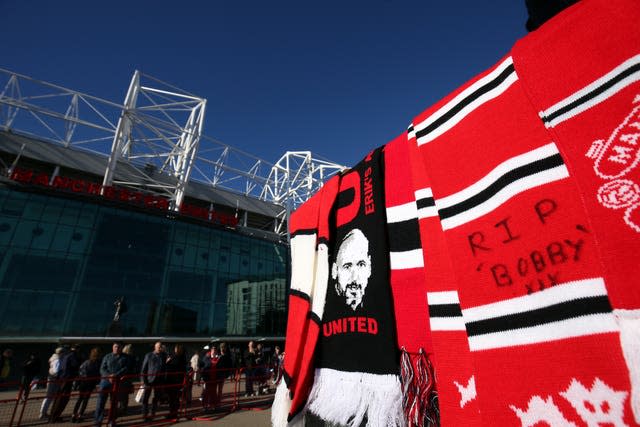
<point x="123" y="130"/>
<point x="158" y="131"/>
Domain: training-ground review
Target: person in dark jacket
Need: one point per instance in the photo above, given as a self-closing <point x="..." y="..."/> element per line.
<point x="152" y="376"/>
<point x="113" y="366"/>
<point x="69" y="367"/>
<point x="250" y="363"/>
<point x="89" y="376"/>
<point x="126" y="386"/>
<point x="176" y="371"/>
<point x="224" y="369"/>
<point x="30" y="368"/>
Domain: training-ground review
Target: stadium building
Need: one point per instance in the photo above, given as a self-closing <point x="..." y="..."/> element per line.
<point x="131" y="223"/>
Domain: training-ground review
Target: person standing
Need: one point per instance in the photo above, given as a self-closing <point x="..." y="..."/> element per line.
<point x="209" y="371"/>
<point x="69" y="368"/>
<point x="113" y="366"/>
<point x="89" y="374"/>
<point x="250" y="362"/>
<point x="195" y="366"/>
<point x="5" y="366"/>
<point x="53" y="386"/>
<point x="224" y="367"/>
<point x="277" y="360"/>
<point x="30" y="368"/>
<point x="126" y="386"/>
<point x="176" y="371"/>
<point x="152" y="376"/>
<point x="261" y="370"/>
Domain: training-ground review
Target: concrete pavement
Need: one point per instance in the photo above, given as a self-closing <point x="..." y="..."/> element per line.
<point x="249" y="412"/>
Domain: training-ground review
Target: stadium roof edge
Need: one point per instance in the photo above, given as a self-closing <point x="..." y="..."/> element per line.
<point x="95" y="163"/>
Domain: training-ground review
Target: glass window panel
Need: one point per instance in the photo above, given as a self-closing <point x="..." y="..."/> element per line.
<point x="186" y="285"/>
<point x="55" y="320"/>
<point x="225" y="243"/>
<point x="45" y="316"/>
<point x="33" y="209"/>
<point x="70" y="214"/>
<point x="14" y="315"/>
<point x="222" y="325"/>
<point x="192" y="236"/>
<point x="93" y="313"/>
<point x="180" y="234"/>
<point x="7" y="229"/>
<point x="14" y="204"/>
<point x="61" y="238"/>
<point x="189" y="257"/>
<point x="253" y="265"/>
<point x="79" y="240"/>
<point x="213" y="259"/>
<point x="223" y="262"/>
<point x="178" y="318"/>
<point x="42" y="235"/>
<point x="53" y="210"/>
<point x="50" y="274"/>
<point x="87" y="215"/>
<point x="234" y="263"/>
<point x="177" y="255"/>
<point x="202" y="258"/>
<point x="205" y="237"/>
<point x="269" y="268"/>
<point x="24" y="234"/>
<point x="138" y="319"/>
<point x="214" y="242"/>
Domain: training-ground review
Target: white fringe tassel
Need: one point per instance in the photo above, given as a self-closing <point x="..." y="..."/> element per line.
<point x="345" y="398"/>
<point x="281" y="406"/>
<point x="629" y="322"/>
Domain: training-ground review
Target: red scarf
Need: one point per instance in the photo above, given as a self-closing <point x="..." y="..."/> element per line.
<point x="526" y="190"/>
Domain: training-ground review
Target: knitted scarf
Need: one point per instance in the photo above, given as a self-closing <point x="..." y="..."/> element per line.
<point x="533" y="232"/>
<point x="356" y="360"/>
<point x="512" y="217"/>
<point x="360" y="343"/>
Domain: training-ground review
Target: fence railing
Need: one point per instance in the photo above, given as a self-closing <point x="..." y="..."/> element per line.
<point x="169" y="396"/>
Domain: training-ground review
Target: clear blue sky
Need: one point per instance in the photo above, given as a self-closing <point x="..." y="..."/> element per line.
<point x="335" y="77"/>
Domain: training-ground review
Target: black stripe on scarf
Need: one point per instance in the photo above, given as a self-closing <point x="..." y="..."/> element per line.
<point x="500" y="78"/>
<point x="404" y="236"/>
<point x="594" y="93"/>
<point x="445" y="310"/>
<point x="514" y="175"/>
<point x="426" y="202"/>
<point x="541" y="316"/>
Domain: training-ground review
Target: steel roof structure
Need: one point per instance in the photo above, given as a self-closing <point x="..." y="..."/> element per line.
<point x="153" y="140"/>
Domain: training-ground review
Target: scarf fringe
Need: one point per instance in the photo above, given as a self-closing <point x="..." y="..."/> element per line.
<point x="419" y="395"/>
<point x="348" y="398"/>
<point x="281" y="406"/>
<point x="629" y="323"/>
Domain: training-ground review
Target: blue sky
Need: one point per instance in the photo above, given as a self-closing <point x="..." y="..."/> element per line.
<point x="337" y="78"/>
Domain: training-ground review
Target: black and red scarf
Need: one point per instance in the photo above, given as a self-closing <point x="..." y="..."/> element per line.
<point x="352" y="337"/>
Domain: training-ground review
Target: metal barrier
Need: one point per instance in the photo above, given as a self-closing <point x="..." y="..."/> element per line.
<point x="177" y="397"/>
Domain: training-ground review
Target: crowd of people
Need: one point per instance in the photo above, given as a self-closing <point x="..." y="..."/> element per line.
<point x="163" y="377"/>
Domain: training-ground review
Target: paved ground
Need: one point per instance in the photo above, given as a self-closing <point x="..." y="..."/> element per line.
<point x="249" y="412"/>
<point x="241" y="418"/>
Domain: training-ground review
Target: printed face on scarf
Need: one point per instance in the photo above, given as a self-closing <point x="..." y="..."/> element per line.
<point x="352" y="268"/>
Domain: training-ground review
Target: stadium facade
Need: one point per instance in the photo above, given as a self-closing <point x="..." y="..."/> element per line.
<point x="81" y="230"/>
<point x="69" y="250"/>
